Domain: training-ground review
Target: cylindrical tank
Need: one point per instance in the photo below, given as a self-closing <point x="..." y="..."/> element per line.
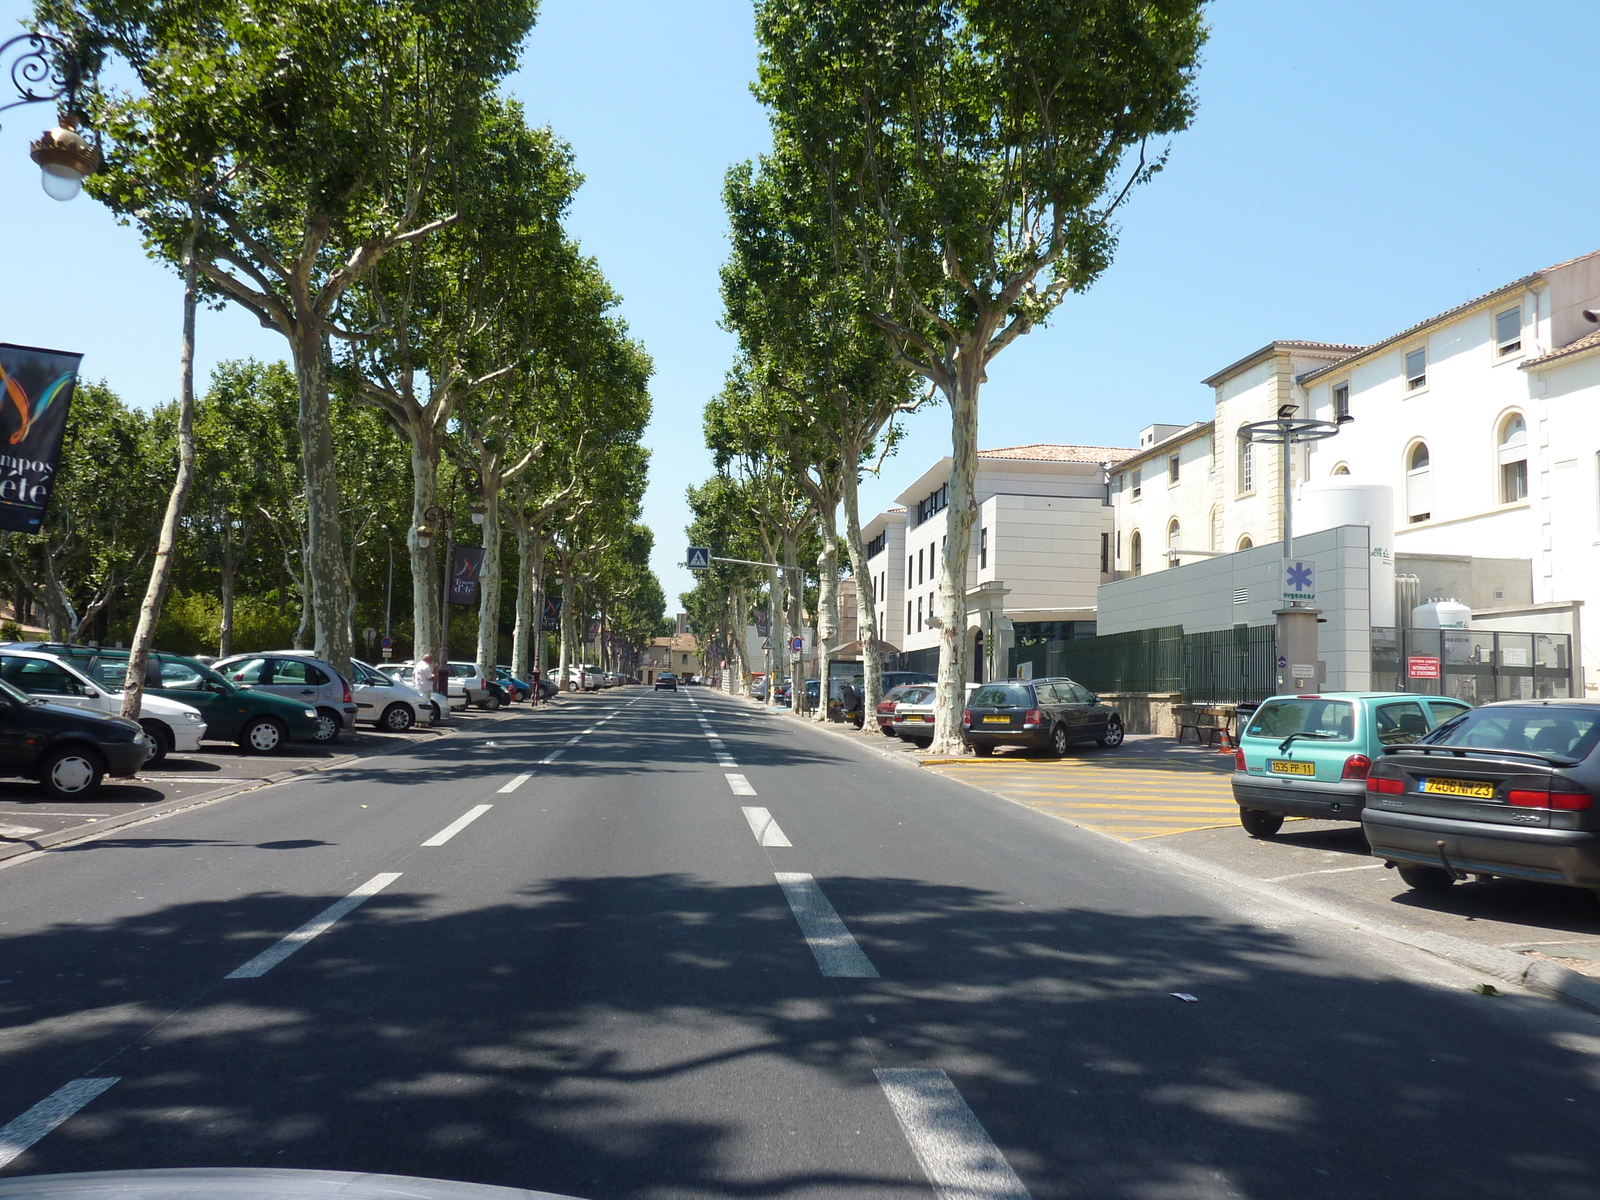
<point x="1442" y="614"/>
<point x="1345" y="500"/>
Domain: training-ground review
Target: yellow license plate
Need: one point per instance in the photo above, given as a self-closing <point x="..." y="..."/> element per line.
<point x="909" y="719"/>
<point x="1459" y="787"/>
<point x="1283" y="766"/>
<point x="997" y="720"/>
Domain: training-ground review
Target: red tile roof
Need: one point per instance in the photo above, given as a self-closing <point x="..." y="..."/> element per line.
<point x="1045" y="452"/>
<point x="1589" y="341"/>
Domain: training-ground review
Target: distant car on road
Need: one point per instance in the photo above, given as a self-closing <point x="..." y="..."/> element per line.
<point x="68" y="750"/>
<point x="1308" y="756"/>
<point x="666" y="682"/>
<point x="1052" y="714"/>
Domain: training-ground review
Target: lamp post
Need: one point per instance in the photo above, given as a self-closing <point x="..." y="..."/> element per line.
<point x="432" y="517"/>
<point x="64" y="157"/>
<point x="1296" y="666"/>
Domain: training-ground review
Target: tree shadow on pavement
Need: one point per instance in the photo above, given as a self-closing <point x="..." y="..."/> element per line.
<point x="664" y="1036"/>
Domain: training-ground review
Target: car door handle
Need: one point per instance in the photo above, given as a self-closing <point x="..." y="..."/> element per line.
<point x="307" y="692"/>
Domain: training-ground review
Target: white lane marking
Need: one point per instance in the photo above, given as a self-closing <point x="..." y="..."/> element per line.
<point x="515" y="784"/>
<point x="837" y="954"/>
<point x="960" y="1159"/>
<point x="552" y="756"/>
<point x="321" y="923"/>
<point x="765" y="828"/>
<point x="573" y="741"/>
<point x="460" y="823"/>
<point x="1326" y="871"/>
<point x="58" y="1106"/>
<point x="739" y="784"/>
<point x="18" y="831"/>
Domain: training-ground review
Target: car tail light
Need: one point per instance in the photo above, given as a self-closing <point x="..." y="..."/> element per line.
<point x="1356" y="767"/>
<point x="1238" y="759"/>
<point x="1385" y="785"/>
<point x="348" y="699"/>
<point x="966" y="718"/>
<point x="1031" y="718"/>
<point x="1560" y="795"/>
<point x="886" y="707"/>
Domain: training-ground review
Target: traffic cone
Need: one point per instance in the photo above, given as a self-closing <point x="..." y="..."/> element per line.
<point x="1226" y="745"/>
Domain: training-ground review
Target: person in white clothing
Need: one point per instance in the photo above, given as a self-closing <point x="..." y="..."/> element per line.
<point x="424" y="683"/>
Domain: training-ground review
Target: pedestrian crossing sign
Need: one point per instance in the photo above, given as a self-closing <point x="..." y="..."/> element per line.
<point x="699" y="558"/>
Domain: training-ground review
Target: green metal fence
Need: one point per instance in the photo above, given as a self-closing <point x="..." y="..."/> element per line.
<point x="1221" y="667"/>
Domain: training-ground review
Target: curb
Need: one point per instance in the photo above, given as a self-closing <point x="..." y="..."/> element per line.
<point x="1537" y="975"/>
<point x="165" y="808"/>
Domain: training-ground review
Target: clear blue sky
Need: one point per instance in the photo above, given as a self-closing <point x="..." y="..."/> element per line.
<point x="1354" y="168"/>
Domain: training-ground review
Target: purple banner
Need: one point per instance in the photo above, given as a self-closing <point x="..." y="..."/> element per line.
<point x="35" y="394"/>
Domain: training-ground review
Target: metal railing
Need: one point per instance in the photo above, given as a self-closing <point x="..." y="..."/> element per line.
<point x="1226" y="666"/>
<point x="1475" y="665"/>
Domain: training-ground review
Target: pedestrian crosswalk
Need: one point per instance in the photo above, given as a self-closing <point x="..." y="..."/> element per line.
<point x="1127" y="801"/>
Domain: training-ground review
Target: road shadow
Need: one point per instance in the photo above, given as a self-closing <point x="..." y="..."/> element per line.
<point x="663" y="1036"/>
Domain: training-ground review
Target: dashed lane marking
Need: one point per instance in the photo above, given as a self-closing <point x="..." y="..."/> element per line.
<point x="456" y="826"/>
<point x="958" y="1156"/>
<point x="515" y="783"/>
<point x="833" y="946"/>
<point x="739" y="784"/>
<point x="319" y="924"/>
<point x="765" y="828"/>
<point x="19" y="1135"/>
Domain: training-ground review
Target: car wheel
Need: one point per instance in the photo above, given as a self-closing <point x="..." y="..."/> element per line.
<point x="888" y="731"/>
<point x="1060" y="743"/>
<point x="433" y="707"/>
<point x="1260" y="824"/>
<point x="983" y="749"/>
<point x="161" y="738"/>
<point x="1427" y="879"/>
<point x="71" y="772"/>
<point x="921" y="743"/>
<point x="398" y="718"/>
<point x="328" y="725"/>
<point x="264" y="735"/>
<point x="490" y="702"/>
<point x="1113" y="735"/>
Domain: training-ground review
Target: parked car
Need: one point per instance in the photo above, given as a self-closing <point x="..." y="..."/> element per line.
<point x="1507" y="789"/>
<point x="519" y="689"/>
<point x="894" y="679"/>
<point x="479" y="691"/>
<point x="1308" y="756"/>
<point x="298" y="675"/>
<point x="68" y="750"/>
<point x="456" y="691"/>
<point x="386" y="703"/>
<point x="913" y="715"/>
<point x="758" y="688"/>
<point x="886" y="707"/>
<point x="666" y="682"/>
<point x="1048" y="713"/>
<point x="256" y="721"/>
<point x="168" y="724"/>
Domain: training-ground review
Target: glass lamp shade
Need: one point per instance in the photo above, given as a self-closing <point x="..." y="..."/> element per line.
<point x="65" y="160"/>
<point x="60" y="183"/>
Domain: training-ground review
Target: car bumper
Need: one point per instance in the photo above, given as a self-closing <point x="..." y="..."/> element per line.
<point x="1327" y="800"/>
<point x="186" y="737"/>
<point x="1570" y="856"/>
<point x="125" y="758"/>
<point x="1038" y="736"/>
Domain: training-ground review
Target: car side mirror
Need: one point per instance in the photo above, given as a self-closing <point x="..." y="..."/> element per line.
<point x="1094" y="698"/>
<point x="91" y="693"/>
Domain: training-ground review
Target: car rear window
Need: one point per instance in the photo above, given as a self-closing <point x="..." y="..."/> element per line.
<point x="1537" y="729"/>
<point x="916" y="695"/>
<point x="1013" y="695"/>
<point x="1330" y="720"/>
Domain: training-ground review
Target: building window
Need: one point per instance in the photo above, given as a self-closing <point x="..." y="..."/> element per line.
<point x="1136" y="552"/>
<point x="1105" y="554"/>
<point x="1419" y="484"/>
<point x="908" y="616"/>
<point x="919" y="614"/>
<point x="1417" y="369"/>
<point x="936" y="502"/>
<point x="1245" y="543"/>
<point x="1341" y="402"/>
<point x="1342" y="469"/>
<point x="1247" y="466"/>
<point x="1174" y="541"/>
<point x="1216" y="528"/>
<point x="1138" y="476"/>
<point x="1508" y="332"/>
<point x="878" y="544"/>
<point x="1513" y="459"/>
<point x="1172" y="468"/>
<point x="920" y="553"/>
<point x="983" y="549"/>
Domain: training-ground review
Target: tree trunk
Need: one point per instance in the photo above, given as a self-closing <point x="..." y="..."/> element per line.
<point x="866" y="607"/>
<point x="166" y="545"/>
<point x="565" y="627"/>
<point x="525" y="629"/>
<point x="305" y="600"/>
<point x="489" y="579"/>
<point x="777" y="624"/>
<point x="324" y="567"/>
<point x="229" y="570"/>
<point x="951" y="693"/>
<point x="424" y="573"/>
<point x="827" y="601"/>
<point x="795" y="589"/>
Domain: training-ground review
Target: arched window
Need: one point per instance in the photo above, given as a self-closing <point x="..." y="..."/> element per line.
<point x="1419" y="484"/>
<point x="1342" y="469"/>
<point x="1174" y="540"/>
<point x="1513" y="459"/>
<point x="1136" y="552"/>
<point x="1245" y="543"/>
<point x="1247" y="458"/>
<point x="1216" y="528"/>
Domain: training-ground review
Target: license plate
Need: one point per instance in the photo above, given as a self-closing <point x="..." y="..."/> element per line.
<point x="908" y="720"/>
<point x="1459" y="787"/>
<point x="997" y="720"/>
<point x="1283" y="766"/>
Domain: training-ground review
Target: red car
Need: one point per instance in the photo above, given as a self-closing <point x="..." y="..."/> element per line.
<point x="885" y="713"/>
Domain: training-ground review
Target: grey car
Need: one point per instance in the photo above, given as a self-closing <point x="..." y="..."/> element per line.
<point x="1507" y="789"/>
<point x="301" y="676"/>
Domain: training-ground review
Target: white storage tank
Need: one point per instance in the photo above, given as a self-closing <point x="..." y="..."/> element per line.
<point x="1345" y="500"/>
<point x="1442" y="614"/>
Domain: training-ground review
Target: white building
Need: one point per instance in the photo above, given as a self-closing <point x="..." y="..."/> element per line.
<point x="885" y="536"/>
<point x="1040" y="548"/>
<point x="1484" y="421"/>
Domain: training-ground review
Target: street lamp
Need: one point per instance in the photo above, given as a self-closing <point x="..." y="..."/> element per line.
<point x="64" y="156"/>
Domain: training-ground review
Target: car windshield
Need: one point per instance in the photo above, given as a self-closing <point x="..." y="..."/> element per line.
<point x="1002" y="695"/>
<point x="1327" y="720"/>
<point x="15" y="695"/>
<point x="1564" y="733"/>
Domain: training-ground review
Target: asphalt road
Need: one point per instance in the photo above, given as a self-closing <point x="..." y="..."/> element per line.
<point x="607" y="953"/>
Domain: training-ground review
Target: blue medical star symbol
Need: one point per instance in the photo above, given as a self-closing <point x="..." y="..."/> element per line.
<point x="1300" y="577"/>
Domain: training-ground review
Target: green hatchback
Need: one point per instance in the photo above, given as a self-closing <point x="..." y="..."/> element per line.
<point x="1308" y="756"/>
<point x="258" y="721"/>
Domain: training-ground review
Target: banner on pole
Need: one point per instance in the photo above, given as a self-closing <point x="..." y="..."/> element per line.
<point x="35" y="393"/>
<point x="465" y="573"/>
<point x="552" y="614"/>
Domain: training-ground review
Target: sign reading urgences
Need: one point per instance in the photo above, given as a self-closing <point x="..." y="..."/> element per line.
<point x="35" y="393"/>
